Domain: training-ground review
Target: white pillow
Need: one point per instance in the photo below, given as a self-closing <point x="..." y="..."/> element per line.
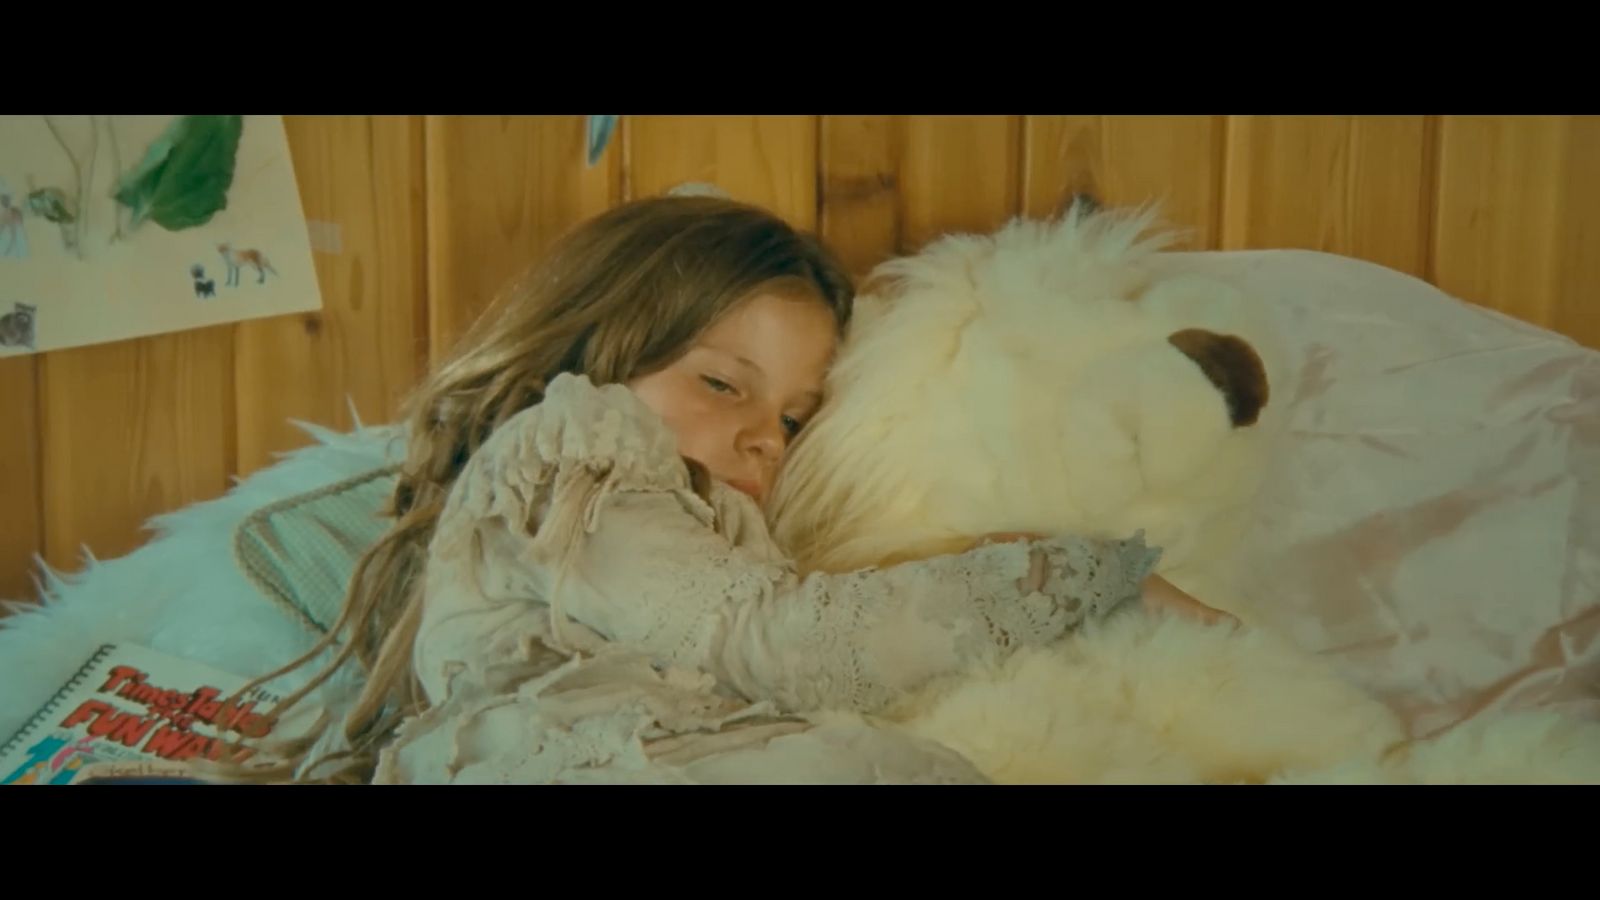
<point x="1433" y="522"/>
<point x="301" y="551"/>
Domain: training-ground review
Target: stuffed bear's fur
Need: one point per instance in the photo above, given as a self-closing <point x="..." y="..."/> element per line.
<point x="1041" y="379"/>
<point x="1038" y="380"/>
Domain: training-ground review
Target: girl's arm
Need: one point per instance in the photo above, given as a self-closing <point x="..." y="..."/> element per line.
<point x="654" y="577"/>
<point x="582" y="509"/>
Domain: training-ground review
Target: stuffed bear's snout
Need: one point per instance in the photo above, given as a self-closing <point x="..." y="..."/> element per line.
<point x="1230" y="364"/>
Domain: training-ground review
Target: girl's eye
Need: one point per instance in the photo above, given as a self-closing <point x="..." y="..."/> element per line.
<point x="717" y="384"/>
<point x="792" y="425"/>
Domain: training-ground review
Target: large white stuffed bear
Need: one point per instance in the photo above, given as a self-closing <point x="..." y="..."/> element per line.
<point x="1046" y="379"/>
<point x="1040" y="379"/>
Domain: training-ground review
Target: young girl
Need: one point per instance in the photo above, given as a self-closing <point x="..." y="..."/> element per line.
<point x="579" y="585"/>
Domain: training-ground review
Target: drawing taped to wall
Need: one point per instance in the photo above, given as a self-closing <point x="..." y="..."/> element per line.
<point x="203" y="286"/>
<point x="16" y="327"/>
<point x="109" y="224"/>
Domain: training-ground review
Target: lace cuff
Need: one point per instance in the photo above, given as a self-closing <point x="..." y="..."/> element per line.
<point x="655" y="577"/>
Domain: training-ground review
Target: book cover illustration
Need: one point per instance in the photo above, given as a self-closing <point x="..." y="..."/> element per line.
<point x="136" y="710"/>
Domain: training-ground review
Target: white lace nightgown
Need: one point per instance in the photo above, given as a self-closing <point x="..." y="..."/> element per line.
<point x="589" y="617"/>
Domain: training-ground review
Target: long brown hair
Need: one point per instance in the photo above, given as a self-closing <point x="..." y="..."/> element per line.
<point x="622" y="295"/>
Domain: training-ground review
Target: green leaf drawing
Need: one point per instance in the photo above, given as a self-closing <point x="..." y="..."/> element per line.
<point x="184" y="177"/>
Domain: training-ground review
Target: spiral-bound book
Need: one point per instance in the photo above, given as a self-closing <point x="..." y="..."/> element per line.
<point x="130" y="711"/>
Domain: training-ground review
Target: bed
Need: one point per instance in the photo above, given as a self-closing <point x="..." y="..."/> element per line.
<point x="1431" y="527"/>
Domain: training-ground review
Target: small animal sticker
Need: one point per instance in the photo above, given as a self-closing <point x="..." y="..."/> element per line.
<point x="16" y="327"/>
<point x="203" y="286"/>
<point x="236" y="259"/>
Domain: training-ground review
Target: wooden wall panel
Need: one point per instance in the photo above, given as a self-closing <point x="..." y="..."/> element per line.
<point x="21" y="521"/>
<point x="420" y="220"/>
<point x="1353" y="185"/>
<point x="500" y="189"/>
<point x="1173" y="161"/>
<point x="958" y="173"/>
<point x="859" y="179"/>
<point x="132" y="429"/>
<point x="890" y="184"/>
<point x="361" y="185"/>
<point x="770" y="161"/>
<point x="1518" y="221"/>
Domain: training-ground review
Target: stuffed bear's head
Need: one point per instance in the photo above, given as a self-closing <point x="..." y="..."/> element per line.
<point x="1054" y="377"/>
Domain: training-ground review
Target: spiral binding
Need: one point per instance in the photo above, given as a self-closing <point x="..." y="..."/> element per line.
<point x="50" y="705"/>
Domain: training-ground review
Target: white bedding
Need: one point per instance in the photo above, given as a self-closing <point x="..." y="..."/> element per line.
<point x="1433" y="523"/>
<point x="181" y="593"/>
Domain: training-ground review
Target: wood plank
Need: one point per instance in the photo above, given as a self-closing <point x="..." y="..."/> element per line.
<point x="859" y="179"/>
<point x="769" y="161"/>
<point x="130" y="430"/>
<point x="1519" y="218"/>
<point x="1173" y="161"/>
<point x="958" y="174"/>
<point x="362" y="188"/>
<point x="1575" y="310"/>
<point x="1353" y="185"/>
<point x="499" y="190"/>
<point x="21" y="527"/>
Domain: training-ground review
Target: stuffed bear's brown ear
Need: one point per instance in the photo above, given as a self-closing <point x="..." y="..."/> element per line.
<point x="1230" y="364"/>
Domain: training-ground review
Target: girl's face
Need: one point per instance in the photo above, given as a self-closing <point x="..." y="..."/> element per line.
<point x="741" y="393"/>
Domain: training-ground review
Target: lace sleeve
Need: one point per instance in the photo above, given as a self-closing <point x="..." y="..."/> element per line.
<point x="583" y="506"/>
<point x="656" y="578"/>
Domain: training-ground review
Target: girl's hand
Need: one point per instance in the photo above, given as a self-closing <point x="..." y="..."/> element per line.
<point x="1162" y="596"/>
